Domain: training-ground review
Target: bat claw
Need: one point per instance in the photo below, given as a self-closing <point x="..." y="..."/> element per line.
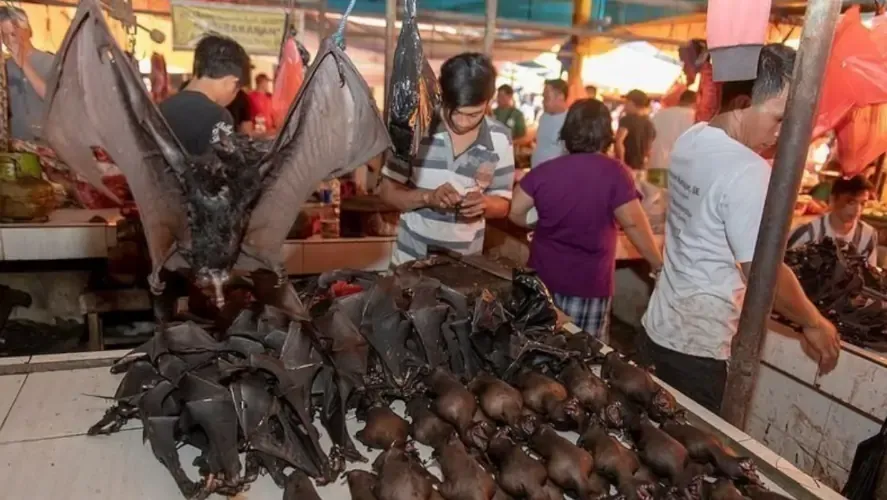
<point x="157" y="285"/>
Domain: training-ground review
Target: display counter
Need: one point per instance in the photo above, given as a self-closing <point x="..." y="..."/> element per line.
<point x="47" y="403"/>
<point x="816" y="421"/>
<point x="504" y="238"/>
<point x="72" y="234"/>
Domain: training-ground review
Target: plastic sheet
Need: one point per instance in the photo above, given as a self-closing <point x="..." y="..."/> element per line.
<point x="531" y="303"/>
<point x="414" y="93"/>
<point x="863" y="481"/>
<point x="854" y="91"/>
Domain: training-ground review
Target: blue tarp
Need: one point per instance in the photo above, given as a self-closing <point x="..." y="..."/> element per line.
<point x="558" y="12"/>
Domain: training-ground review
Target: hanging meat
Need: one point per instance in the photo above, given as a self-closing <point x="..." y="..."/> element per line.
<point x="159" y="78"/>
<point x="288" y="79"/>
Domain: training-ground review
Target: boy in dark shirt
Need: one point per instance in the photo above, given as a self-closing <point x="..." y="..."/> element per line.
<point x="636" y="133"/>
<point x="197" y="114"/>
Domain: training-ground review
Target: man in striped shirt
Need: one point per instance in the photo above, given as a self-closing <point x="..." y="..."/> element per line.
<point x="463" y="172"/>
<point x="848" y="197"/>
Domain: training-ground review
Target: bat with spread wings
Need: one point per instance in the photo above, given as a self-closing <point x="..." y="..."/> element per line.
<point x="228" y="211"/>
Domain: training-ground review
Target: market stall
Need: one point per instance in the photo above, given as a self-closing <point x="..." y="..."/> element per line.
<point x="47" y="402"/>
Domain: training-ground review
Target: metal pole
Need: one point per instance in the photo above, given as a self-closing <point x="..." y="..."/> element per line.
<point x="791" y="154"/>
<point x="390" y="33"/>
<point x="490" y="31"/>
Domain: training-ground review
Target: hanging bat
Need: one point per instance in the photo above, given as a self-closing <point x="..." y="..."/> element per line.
<point x="229" y="210"/>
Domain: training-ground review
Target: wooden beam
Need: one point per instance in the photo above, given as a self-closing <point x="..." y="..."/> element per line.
<point x="785" y="180"/>
<point x="490" y="31"/>
<point x="581" y="17"/>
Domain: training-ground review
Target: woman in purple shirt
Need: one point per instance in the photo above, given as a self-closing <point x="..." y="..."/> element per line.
<point x="580" y="198"/>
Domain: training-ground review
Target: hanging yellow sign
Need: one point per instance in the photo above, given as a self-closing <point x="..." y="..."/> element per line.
<point x="259" y="30"/>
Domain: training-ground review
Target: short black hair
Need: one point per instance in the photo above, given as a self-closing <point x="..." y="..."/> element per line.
<point x="507" y="90"/>
<point x="638" y="97"/>
<point x="261" y="77"/>
<point x="467" y="79"/>
<point x="558" y="85"/>
<point x="588" y="127"/>
<point x="687" y="97"/>
<point x="854" y="186"/>
<point x="775" y="66"/>
<point x="591" y="89"/>
<point x="14" y="14"/>
<point x="218" y="56"/>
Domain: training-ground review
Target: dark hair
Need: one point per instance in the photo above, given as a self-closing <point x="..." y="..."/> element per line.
<point x="853" y="186"/>
<point x="687" y="97"/>
<point x="591" y="90"/>
<point x="507" y="90"/>
<point x="638" y="97"/>
<point x="261" y="77"/>
<point x="588" y="127"/>
<point x="467" y="79"/>
<point x="218" y="56"/>
<point x="14" y="14"/>
<point x="775" y="66"/>
<point x="558" y="85"/>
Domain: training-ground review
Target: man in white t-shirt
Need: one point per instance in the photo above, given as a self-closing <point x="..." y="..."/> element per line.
<point x="548" y="133"/>
<point x="717" y="186"/>
<point x="670" y="123"/>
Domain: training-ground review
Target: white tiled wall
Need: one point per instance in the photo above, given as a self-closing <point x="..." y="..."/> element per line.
<point x="817" y="434"/>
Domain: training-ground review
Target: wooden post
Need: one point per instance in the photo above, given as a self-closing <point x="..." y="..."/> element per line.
<point x="581" y="17"/>
<point x="321" y="21"/>
<point x="791" y="154"/>
<point x="390" y="43"/>
<point x="4" y="107"/>
<point x="490" y="31"/>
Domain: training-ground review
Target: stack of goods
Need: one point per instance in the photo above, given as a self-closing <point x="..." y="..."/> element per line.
<point x="845" y="289"/>
<point x="490" y="386"/>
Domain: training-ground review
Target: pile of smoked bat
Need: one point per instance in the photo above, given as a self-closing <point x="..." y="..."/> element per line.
<point x="840" y="282"/>
<point x="489" y="386"/>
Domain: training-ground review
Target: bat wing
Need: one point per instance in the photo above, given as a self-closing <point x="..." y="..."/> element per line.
<point x="332" y="128"/>
<point x="95" y="97"/>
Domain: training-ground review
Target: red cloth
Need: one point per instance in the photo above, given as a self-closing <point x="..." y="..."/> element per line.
<point x="854" y="92"/>
<point x="287" y="81"/>
<point x="159" y="78"/>
<point x="672" y="96"/>
<point x="260" y="106"/>
<point x="862" y="138"/>
<point x="708" y="99"/>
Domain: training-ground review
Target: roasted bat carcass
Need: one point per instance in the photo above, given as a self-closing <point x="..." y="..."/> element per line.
<point x="229" y="210"/>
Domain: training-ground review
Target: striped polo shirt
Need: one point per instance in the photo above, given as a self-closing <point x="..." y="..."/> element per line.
<point x="862" y="236"/>
<point x="433" y="165"/>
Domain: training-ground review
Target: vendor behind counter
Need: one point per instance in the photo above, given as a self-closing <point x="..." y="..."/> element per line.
<point x="842" y="222"/>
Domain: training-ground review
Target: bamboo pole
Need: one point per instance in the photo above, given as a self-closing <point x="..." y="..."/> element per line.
<point x="791" y="154"/>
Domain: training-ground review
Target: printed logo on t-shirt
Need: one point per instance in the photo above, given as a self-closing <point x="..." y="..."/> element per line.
<point x="221" y="128"/>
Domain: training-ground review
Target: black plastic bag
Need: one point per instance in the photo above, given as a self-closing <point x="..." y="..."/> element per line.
<point x="414" y="92"/>
<point x="870" y="454"/>
<point x="531" y="304"/>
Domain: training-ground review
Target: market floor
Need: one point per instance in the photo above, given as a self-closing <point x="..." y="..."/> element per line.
<point x="45" y="452"/>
